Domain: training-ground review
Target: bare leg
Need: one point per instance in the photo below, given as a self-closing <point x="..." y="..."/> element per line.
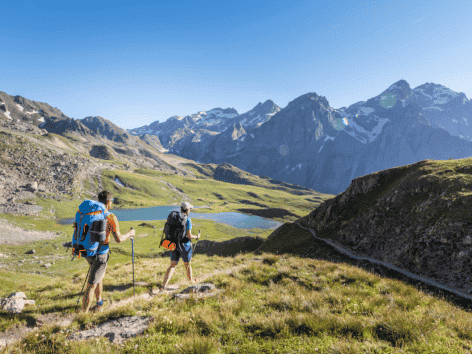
<point x="99" y="291"/>
<point x="169" y="273"/>
<point x="188" y="267"/>
<point x="87" y="300"/>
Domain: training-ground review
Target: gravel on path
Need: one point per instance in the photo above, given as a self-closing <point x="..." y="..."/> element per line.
<point x="14" y="235"/>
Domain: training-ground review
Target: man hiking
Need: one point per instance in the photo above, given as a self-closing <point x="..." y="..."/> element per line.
<point x="98" y="262"/>
<point x="183" y="249"/>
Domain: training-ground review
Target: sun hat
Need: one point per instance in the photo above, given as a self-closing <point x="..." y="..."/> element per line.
<point x="186" y="206"/>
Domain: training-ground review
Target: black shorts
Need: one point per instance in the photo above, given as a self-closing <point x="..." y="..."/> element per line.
<point x="98" y="266"/>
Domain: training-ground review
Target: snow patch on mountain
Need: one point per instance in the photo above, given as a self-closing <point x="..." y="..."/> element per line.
<point x="20" y="107"/>
<point x="435" y="108"/>
<point x="215" y="115"/>
<point x="436" y="94"/>
<point x="365" y="136"/>
<point x="393" y="87"/>
<point x="325" y="140"/>
<point x="367" y="110"/>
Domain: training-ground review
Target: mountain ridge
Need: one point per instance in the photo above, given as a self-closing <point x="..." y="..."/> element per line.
<point x="413" y="216"/>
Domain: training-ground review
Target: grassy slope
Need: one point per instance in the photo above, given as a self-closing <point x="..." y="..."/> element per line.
<point x="437" y="182"/>
<point x="273" y="303"/>
<point x="284" y="303"/>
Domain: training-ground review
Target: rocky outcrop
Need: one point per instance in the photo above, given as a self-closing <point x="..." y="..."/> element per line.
<point x="102" y="152"/>
<point x="198" y="290"/>
<point x="103" y="127"/>
<point x="15" y="303"/>
<point x="116" y="330"/>
<point x="28" y="170"/>
<point x="414" y="217"/>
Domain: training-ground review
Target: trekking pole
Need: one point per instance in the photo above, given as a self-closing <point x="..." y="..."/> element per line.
<point x="88" y="273"/>
<point x="132" y="255"/>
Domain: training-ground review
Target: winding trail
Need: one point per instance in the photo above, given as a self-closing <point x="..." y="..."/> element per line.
<point x="391" y="267"/>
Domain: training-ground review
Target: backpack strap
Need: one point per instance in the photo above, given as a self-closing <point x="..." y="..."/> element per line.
<point x="92" y="213"/>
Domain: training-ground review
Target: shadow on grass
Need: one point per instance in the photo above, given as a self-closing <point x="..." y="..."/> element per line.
<point x="268" y="212"/>
<point x="293" y="240"/>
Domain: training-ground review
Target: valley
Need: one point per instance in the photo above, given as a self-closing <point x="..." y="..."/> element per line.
<point x="274" y="290"/>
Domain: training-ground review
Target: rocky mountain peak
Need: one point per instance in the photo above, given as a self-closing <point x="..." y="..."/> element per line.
<point x="431" y="94"/>
<point x="308" y="99"/>
<point x="105" y="128"/>
<point x="400" y="90"/>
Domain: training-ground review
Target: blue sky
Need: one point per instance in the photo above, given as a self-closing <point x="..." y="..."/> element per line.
<point x="137" y="62"/>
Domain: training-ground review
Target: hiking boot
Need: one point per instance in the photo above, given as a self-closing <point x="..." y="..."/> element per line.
<point x="98" y="307"/>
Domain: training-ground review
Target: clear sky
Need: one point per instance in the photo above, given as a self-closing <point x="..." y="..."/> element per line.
<point x="135" y="62"/>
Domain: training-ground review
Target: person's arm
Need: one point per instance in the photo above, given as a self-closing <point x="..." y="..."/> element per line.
<point x="114" y="228"/>
<point x="189" y="231"/>
<point x="190" y="236"/>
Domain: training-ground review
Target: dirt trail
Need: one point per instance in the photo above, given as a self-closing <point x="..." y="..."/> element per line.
<point x="13" y="235"/>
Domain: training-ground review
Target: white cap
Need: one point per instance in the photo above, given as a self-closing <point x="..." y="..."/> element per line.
<point x="186" y="206"/>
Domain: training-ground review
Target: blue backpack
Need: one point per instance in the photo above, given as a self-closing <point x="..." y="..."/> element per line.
<point x="90" y="229"/>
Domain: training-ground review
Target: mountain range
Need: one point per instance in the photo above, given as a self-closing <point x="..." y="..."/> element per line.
<point x="314" y="145"/>
<point x="307" y="143"/>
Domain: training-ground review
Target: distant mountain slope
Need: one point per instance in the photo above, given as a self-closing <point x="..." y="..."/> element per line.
<point x="445" y="109"/>
<point x="105" y="128"/>
<point x="191" y="136"/>
<point x="20" y="108"/>
<point x="311" y="144"/>
<point x="415" y="217"/>
<point x="93" y="136"/>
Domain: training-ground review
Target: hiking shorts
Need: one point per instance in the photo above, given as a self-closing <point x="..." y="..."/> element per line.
<point x="184" y="251"/>
<point x="98" y="265"/>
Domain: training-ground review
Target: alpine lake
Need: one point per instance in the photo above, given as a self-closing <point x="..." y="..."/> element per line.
<point x="235" y="219"/>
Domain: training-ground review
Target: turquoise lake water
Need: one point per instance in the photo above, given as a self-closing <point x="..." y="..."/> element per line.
<point x="239" y="220"/>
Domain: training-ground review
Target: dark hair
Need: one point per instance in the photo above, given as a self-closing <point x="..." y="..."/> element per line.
<point x="184" y="211"/>
<point x="104" y="197"/>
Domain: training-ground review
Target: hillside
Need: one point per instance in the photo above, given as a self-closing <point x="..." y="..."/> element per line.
<point x="92" y="136"/>
<point x="415" y="217"/>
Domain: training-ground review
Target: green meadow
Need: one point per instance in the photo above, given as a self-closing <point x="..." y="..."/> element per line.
<point x="277" y="300"/>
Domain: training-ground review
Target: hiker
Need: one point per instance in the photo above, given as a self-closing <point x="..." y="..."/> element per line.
<point x="98" y="262"/>
<point x="183" y="249"/>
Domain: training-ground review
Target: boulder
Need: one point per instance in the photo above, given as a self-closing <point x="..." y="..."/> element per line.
<point x="116" y="330"/>
<point x="200" y="290"/>
<point x="15" y="302"/>
<point x="30" y="252"/>
<point x="32" y="187"/>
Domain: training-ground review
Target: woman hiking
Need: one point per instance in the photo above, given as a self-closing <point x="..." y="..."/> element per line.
<point x="183" y="249"/>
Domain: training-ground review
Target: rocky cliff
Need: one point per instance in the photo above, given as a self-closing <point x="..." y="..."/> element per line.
<point x="415" y="217"/>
